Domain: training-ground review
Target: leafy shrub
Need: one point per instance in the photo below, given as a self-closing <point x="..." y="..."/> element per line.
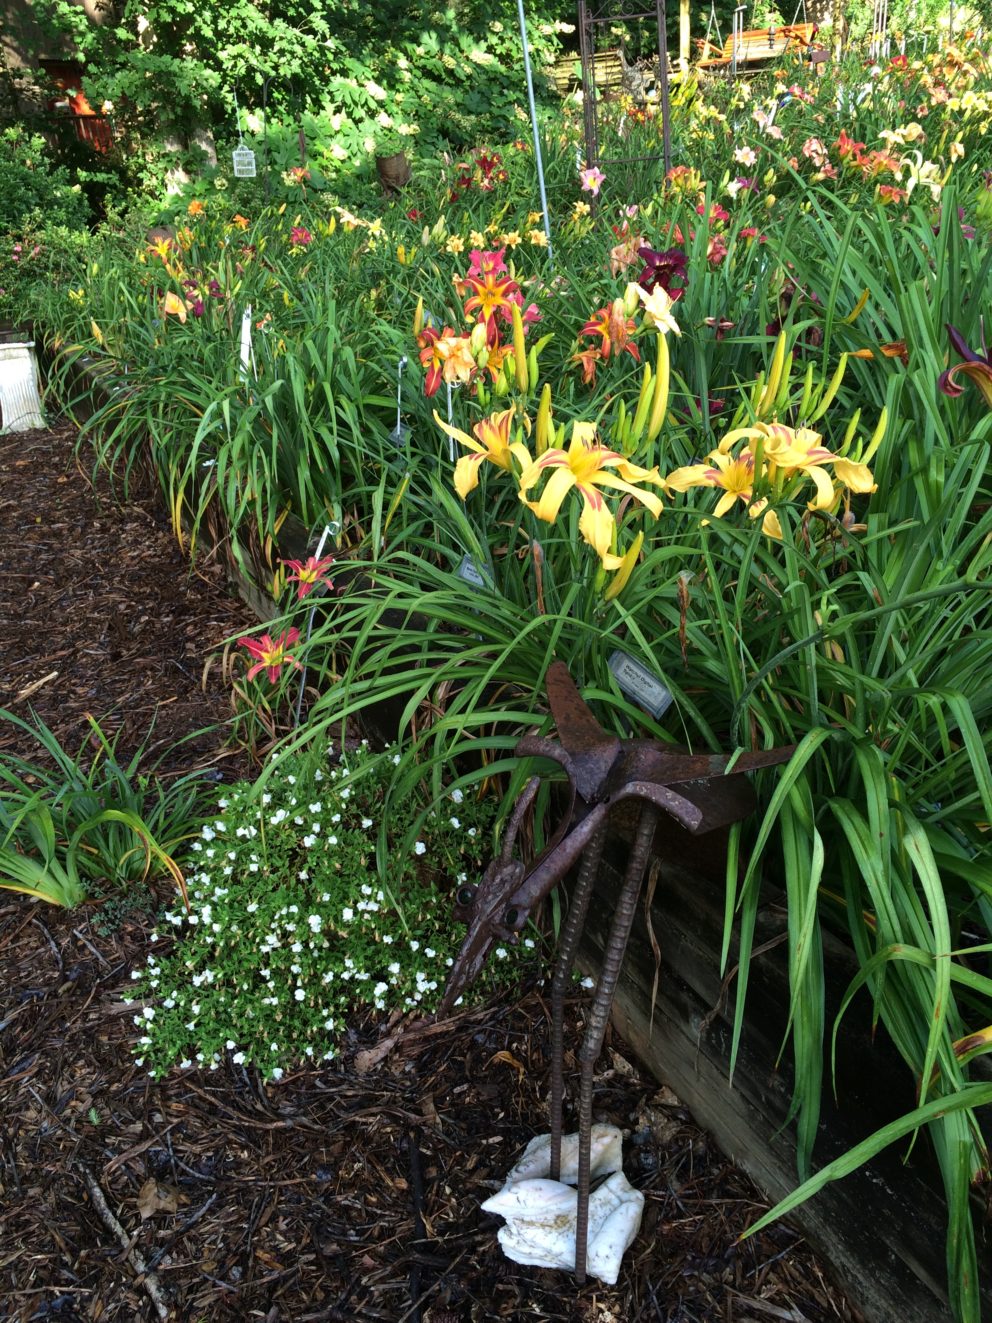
<point x="291" y="927"/>
<point x="32" y="189"/>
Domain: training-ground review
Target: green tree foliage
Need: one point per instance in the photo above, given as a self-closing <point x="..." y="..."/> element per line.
<point x="178" y="64"/>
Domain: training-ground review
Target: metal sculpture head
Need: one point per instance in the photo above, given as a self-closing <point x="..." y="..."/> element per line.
<point x="602" y="771"/>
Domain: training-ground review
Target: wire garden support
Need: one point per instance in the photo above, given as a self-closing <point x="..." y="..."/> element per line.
<point x="593" y="15"/>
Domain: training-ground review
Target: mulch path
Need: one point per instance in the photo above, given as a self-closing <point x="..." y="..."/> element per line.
<point x="349" y="1192"/>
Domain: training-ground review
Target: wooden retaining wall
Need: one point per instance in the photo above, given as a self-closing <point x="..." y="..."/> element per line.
<point x="882" y="1229"/>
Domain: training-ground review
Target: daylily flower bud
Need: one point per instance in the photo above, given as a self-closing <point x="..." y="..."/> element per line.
<point x="418" y="317"/>
<point x="478" y="339"/>
<point x="544" y="423"/>
<point x="519" y="350"/>
<point x="631" y="300"/>
<point x="769" y="178"/>
<point x="769" y="201"/>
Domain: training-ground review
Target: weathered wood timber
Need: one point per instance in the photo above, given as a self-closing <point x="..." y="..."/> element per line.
<point x="882" y="1229"/>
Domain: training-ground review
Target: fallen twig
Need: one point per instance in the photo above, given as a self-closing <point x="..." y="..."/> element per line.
<point x="148" y="1279"/>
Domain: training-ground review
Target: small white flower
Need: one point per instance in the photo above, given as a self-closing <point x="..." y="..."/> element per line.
<point x="457" y="796"/>
<point x="420" y="848"/>
<point x="588" y="982"/>
<point x="347" y="914"/>
<point x="299" y="995"/>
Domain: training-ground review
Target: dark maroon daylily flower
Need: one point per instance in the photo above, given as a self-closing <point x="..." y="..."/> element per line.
<point x="976" y="367"/>
<point x="664" y="269"/>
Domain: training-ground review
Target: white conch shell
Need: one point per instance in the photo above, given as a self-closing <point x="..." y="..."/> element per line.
<point x="605" y="1156"/>
<point x="540" y="1213"/>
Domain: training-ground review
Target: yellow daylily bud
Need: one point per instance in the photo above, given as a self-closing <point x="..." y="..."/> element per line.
<point x="478" y="339"/>
<point x="769" y="178"/>
<point x="418" y="317"/>
<point x="519" y="351"/>
<point x="659" y="402"/>
<point x="770" y="394"/>
<point x="631" y="298"/>
<point x="401" y="254"/>
<point x="532" y="364"/>
<point x="643" y="403"/>
<point x="625" y="568"/>
<point x="857" y="310"/>
<point x="831" y="390"/>
<point x="807" y="398"/>
<point x="877" y="435"/>
<point x="852" y="427"/>
<point x="544" y="426"/>
<point x="96" y="332"/>
<point x="769" y="201"/>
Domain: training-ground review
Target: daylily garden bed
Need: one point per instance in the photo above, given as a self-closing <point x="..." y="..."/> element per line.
<point x="732" y="427"/>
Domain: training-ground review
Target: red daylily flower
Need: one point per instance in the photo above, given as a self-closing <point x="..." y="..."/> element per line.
<point x="308" y="574"/>
<point x="432" y="356"/>
<point x="271" y="654"/>
<point x="614" y="328"/>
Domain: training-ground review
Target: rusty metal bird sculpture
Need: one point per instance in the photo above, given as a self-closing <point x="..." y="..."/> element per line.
<point x="700" y="791"/>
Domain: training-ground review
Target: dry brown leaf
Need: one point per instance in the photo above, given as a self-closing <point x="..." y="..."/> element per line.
<point x="154" y="1197"/>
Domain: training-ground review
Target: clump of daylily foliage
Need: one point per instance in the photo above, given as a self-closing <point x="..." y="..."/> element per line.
<point x="290" y="934"/>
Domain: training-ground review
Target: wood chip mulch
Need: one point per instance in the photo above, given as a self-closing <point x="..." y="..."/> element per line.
<point x="345" y="1193"/>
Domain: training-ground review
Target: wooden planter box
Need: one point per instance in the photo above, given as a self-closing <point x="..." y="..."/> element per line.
<point x="882" y="1229"/>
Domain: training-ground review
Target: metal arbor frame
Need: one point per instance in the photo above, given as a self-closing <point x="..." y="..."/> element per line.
<point x="597" y="13"/>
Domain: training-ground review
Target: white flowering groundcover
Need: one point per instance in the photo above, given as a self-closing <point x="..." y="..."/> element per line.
<point x="291" y="928"/>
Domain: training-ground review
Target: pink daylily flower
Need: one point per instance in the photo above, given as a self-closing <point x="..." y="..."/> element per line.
<point x="308" y="574"/>
<point x="271" y="654"/>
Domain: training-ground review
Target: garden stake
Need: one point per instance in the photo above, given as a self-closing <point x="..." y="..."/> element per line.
<point x="602" y="771"/>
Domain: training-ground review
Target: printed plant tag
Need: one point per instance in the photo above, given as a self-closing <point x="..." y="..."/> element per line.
<point x="470" y="572"/>
<point x="638" y="683"/>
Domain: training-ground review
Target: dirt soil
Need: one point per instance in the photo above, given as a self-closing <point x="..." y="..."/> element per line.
<point x="349" y="1192"/>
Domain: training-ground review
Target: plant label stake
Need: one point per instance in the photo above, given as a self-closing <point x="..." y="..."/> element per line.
<point x="451" y="422"/>
<point x="469" y="571"/>
<point x="400" y="433"/>
<point x="638" y="683"/>
<point x="246" y="352"/>
<point x="603" y="771"/>
<point x="330" y="530"/>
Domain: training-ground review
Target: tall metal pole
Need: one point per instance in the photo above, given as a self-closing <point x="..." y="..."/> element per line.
<point x="666" y="115"/>
<point x="538" y="158"/>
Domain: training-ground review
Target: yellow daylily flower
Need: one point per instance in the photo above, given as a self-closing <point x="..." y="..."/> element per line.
<point x="173" y="305"/>
<point x="735" y="474"/>
<point x="587" y="467"/>
<point x="491" y="441"/>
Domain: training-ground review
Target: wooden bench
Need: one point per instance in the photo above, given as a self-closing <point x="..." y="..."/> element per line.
<point x="611" y="73"/>
<point x="757" y="46"/>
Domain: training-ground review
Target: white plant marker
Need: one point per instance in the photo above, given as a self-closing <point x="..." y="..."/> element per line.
<point x="247" y="353"/>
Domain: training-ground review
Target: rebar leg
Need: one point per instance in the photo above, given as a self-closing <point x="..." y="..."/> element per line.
<point x="572" y="931"/>
<point x="599" y="1014"/>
